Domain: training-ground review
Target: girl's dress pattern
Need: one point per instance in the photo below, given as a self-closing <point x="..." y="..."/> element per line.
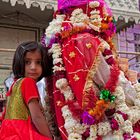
<point x="17" y="124"/>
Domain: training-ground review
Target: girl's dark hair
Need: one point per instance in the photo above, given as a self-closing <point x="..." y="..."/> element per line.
<point x="18" y="66"/>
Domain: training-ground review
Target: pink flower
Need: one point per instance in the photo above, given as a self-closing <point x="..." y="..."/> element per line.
<point x="127" y="136"/>
<point x="88" y="119"/>
<point x="107" y="52"/>
<point x="125" y="116"/>
<point x="114" y="124"/>
<point x="110" y="60"/>
<point x="86" y="133"/>
<point x="109" y="113"/>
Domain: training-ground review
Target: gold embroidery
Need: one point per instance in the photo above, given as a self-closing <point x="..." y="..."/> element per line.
<point x="72" y="54"/>
<point x="89" y="80"/>
<point x="59" y="103"/>
<point x="76" y="78"/>
<point x="89" y="45"/>
<point x="16" y="108"/>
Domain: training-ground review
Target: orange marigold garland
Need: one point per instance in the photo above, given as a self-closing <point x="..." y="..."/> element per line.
<point x="105" y="98"/>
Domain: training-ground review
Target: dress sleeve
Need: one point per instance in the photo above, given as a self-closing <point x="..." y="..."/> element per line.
<point x="29" y="90"/>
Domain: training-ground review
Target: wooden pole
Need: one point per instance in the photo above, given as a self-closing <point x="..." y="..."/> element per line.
<point x="7" y="50"/>
<point x="131" y="53"/>
<point x="5" y="67"/>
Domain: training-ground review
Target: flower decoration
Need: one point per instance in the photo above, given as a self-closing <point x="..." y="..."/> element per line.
<point x="90" y="120"/>
<point x="114" y="124"/>
<point x="106" y="95"/>
<point x="78" y="16"/>
<point x="94" y="4"/>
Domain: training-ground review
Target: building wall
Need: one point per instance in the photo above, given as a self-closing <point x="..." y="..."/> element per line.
<point x="127" y="42"/>
<point x="10" y="38"/>
<point x="19" y="23"/>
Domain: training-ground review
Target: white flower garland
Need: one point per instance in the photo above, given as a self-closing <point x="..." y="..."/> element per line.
<point x="62" y="84"/>
<point x="78" y="16"/>
<point x="53" y="28"/>
<point x="94" y="4"/>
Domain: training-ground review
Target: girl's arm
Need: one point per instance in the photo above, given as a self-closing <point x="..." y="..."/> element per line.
<point x="38" y="119"/>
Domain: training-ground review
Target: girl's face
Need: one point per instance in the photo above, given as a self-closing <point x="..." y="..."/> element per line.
<point x="33" y="67"/>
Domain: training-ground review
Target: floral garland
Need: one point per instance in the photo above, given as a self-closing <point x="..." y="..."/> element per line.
<point x="119" y="120"/>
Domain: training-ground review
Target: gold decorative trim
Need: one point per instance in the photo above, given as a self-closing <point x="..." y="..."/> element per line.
<point x="89" y="79"/>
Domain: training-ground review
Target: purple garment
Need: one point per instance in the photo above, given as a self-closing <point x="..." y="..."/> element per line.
<point x="68" y="3"/>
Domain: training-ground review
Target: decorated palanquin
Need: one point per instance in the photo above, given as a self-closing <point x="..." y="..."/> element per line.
<point x="93" y="100"/>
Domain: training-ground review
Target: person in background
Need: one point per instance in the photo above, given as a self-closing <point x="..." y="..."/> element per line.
<point x="8" y="81"/>
<point x="24" y="118"/>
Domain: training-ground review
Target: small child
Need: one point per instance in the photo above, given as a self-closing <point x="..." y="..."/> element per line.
<point x="24" y="119"/>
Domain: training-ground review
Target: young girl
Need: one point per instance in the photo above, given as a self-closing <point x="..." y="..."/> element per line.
<point x="24" y="119"/>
